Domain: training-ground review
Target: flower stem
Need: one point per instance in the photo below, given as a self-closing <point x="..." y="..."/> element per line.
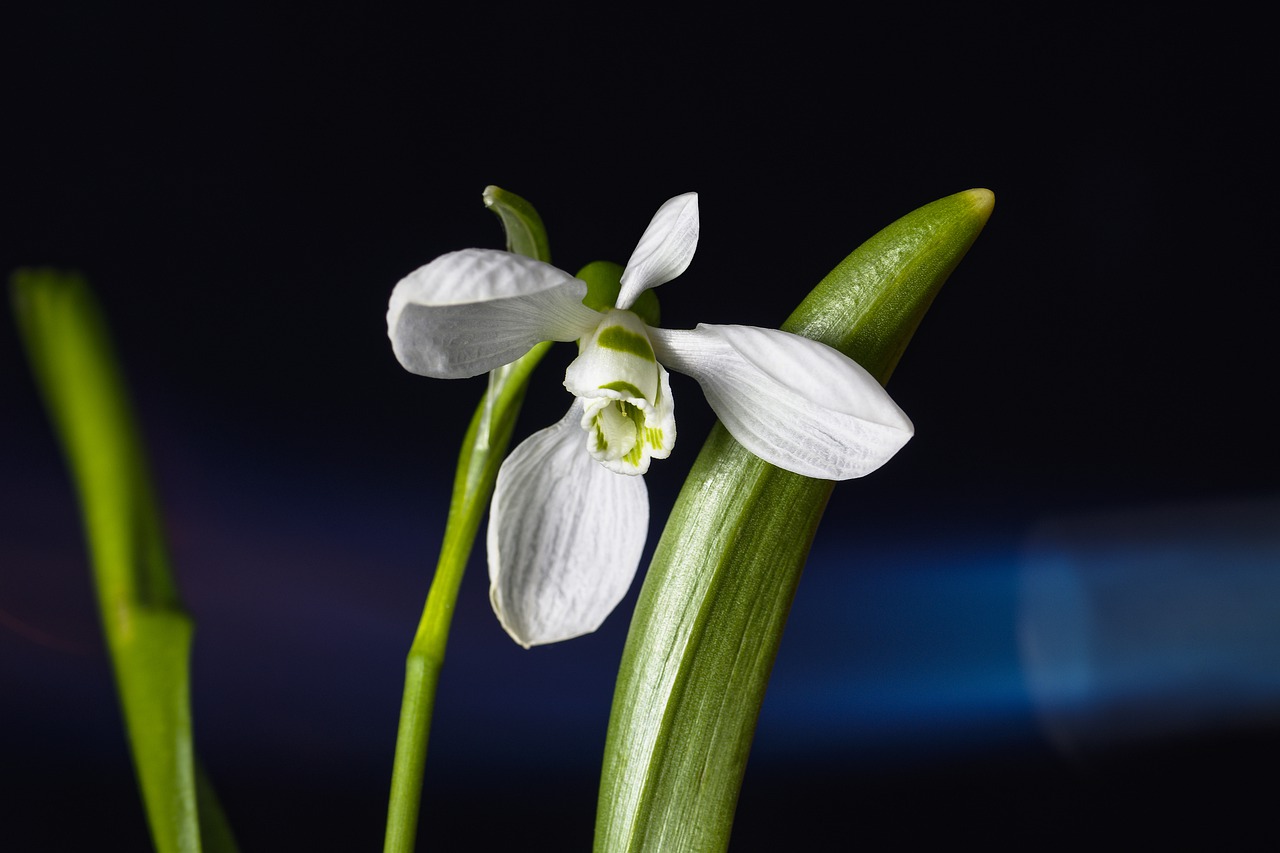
<point x="482" y="453"/>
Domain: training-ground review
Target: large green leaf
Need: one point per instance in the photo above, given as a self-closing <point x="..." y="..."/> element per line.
<point x="716" y="597"/>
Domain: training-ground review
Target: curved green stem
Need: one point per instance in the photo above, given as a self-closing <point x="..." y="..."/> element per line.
<point x="482" y="452"/>
<point x="483" y="449"/>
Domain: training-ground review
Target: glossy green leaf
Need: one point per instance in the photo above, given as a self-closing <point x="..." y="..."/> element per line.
<point x="148" y="633"/>
<point x="716" y="597"/>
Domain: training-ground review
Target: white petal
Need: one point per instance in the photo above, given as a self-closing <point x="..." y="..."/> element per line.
<point x="624" y="433"/>
<point x="665" y="249"/>
<point x="629" y="412"/>
<point x="617" y="354"/>
<point x="796" y="403"/>
<point x="471" y="311"/>
<point x="565" y="536"/>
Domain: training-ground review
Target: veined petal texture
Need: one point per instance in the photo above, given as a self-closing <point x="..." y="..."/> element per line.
<point x="665" y="249"/>
<point x="565" y="536"/>
<point x="793" y="402"/>
<point x="468" y="312"/>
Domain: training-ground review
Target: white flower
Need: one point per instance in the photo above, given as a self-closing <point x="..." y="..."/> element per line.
<point x="569" y="517"/>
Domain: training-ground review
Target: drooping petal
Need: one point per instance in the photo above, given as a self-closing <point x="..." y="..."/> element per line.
<point x="665" y="249"/>
<point x="565" y="536"/>
<point x="796" y="403"/>
<point x="468" y="312"/>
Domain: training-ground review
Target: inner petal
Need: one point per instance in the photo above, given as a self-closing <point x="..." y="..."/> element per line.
<point x="615" y="358"/>
<point x="623" y="434"/>
<point x="611" y="428"/>
<point x="628" y="412"/>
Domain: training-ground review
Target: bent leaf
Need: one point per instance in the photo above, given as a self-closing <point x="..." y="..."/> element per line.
<point x="716" y="597"/>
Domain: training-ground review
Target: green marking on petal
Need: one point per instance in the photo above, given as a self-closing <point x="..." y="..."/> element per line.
<point x="625" y="340"/>
<point x="636" y="416"/>
<point x="621" y="433"/>
<point x="624" y="388"/>
<point x="633" y="458"/>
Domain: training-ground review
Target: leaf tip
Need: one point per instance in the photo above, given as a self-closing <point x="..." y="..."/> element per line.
<point x="983" y="201"/>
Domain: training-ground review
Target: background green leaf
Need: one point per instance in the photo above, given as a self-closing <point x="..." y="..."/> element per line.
<point x="148" y="632"/>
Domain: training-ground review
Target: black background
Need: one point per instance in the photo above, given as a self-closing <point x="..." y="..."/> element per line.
<point x="243" y="186"/>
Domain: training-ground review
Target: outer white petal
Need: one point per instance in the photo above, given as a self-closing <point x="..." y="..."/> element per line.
<point x="796" y="403"/>
<point x="665" y="249"/>
<point x="565" y="536"/>
<point x="471" y="311"/>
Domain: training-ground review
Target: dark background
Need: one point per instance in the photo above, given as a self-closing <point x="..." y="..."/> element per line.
<point x="244" y="186"/>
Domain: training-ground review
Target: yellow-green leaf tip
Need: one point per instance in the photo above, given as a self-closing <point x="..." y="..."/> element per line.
<point x="983" y="200"/>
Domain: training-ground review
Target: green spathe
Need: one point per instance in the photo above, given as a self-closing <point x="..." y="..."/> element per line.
<point x="714" y="602"/>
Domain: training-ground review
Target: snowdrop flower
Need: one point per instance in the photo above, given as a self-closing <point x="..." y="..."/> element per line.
<point x="570" y="512"/>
